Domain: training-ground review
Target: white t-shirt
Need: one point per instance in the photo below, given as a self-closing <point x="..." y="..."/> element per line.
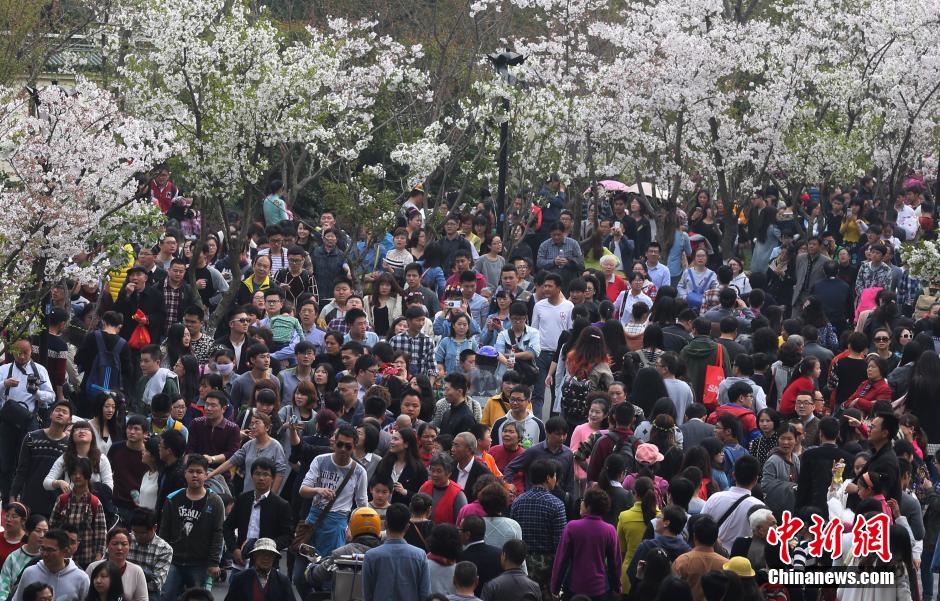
<point x="551" y="320"/>
<point x="324" y="473"/>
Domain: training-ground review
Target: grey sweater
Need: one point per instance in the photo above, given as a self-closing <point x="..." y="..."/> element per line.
<point x="778" y="481"/>
<point x="69" y="584"/>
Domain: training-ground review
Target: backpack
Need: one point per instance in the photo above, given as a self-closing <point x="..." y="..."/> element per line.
<point x="105" y="372"/>
<point x="696" y="295"/>
<point x="574" y="395"/>
<point x="64" y="499"/>
<point x="625" y="447"/>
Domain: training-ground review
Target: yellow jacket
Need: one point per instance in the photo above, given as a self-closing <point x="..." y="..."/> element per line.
<point x="493" y="410"/>
<point x="117" y="276"/>
<point x="630" y="530"/>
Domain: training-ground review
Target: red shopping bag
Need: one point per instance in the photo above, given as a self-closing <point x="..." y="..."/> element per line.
<point x="140" y="337"/>
<point x="714" y="374"/>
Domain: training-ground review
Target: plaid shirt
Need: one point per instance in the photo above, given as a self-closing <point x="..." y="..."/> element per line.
<point x="91" y="525"/>
<point x="338" y="324"/>
<point x="420" y="349"/>
<point x="908" y="289"/>
<point x="154" y="558"/>
<point x="710" y="300"/>
<point x="296" y="286"/>
<point x="541" y="515"/>
<point x="871" y="277"/>
<point x="173" y="297"/>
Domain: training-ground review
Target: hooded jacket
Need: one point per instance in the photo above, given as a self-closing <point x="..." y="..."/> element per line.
<point x="323" y="571"/>
<point x="529" y="427"/>
<point x="698" y="355"/>
<point x="70" y="583"/>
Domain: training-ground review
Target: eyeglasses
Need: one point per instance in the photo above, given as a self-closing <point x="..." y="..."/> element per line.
<point x="344" y="445"/>
<point x="804" y="402"/>
<point x="882" y="339"/>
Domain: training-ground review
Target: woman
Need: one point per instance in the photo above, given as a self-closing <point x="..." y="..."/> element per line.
<point x="922" y="394"/>
<point x="258" y="281"/>
<point x="697" y="458"/>
<point x="106" y="423"/>
<point x="600" y="407"/>
<point x="427" y="434"/>
<point x="768" y="422"/>
<point x="18" y="560"/>
<point x="385" y="304"/>
<point x="150" y="483"/>
<point x="848" y="270"/>
<point x="71" y="510"/>
<point x="664" y="435"/>
<point x="616" y="342"/>
<point x="662" y="406"/>
<point x="433" y="276"/>
<point x="444" y="548"/>
<point x="331" y="355"/>
<point x="652" y="348"/>
<point x="594" y="291"/>
<point x="848" y="370"/>
<point x="499" y="321"/>
<point x="610" y="481"/>
<point x="510" y="446"/>
<point x="648" y="388"/>
<point x="302" y="410"/>
<point x="447" y="354"/>
<point x="782" y="369"/>
<point x="81" y="445"/>
<point x="417" y="243"/>
<point x="264" y="399"/>
<point x="649" y="288"/>
<point x="186" y="369"/>
<point x="588" y="367"/>
<point x="781" y="472"/>
<point x="129" y="576"/>
<point x="106" y="583"/>
<point x="588" y="549"/>
<point x="491" y="263"/>
<point x="703" y="223"/>
<point x="615" y="283"/>
<point x="716" y="456"/>
<point x="364" y="452"/>
<point x="804" y="377"/>
<point x="882" y="339"/>
<point x="902" y="337"/>
<point x="767" y="239"/>
<point x="697" y="280"/>
<point x="177" y="344"/>
<point x="14" y="533"/>
<point x="814" y="315"/>
<point x="781" y="275"/>
<point x="648" y="459"/>
<point x="884" y="315"/>
<point x="274" y="209"/>
<point x="636" y="524"/>
<point x="402" y="464"/>
<point x="260" y="445"/>
<point x="874" y="388"/>
<point x="305" y="236"/>
<point x="739" y="280"/>
<point x="494" y="498"/>
<point x="643" y="235"/>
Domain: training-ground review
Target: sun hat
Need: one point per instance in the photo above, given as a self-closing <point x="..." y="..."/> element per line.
<point x="648" y="453"/>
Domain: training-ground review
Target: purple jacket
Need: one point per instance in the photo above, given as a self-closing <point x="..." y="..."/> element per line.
<point x="588" y="558"/>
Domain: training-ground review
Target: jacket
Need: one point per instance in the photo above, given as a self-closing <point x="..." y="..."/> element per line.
<point x="411" y="478"/>
<point x="457" y="419"/>
<point x="511" y="584"/>
<point x="816" y="475"/>
<point x="277" y="520"/>
<point x="487" y="560"/>
<point x="529" y="427"/>
<point x="323" y="572"/>
<point x="745" y="415"/>
<point x="695" y="431"/>
<point x="70" y="583"/>
<point x="698" y="355"/>
<point x="631" y="528"/>
<point x="804" y="273"/>
<point x="477" y="469"/>
<point x="778" y="481"/>
<point x="188" y="300"/>
<point x="150" y="301"/>
<point x="242" y="586"/>
<point x="38" y="453"/>
<point x="196" y="538"/>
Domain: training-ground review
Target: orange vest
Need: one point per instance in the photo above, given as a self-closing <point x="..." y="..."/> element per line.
<point x="444" y="509"/>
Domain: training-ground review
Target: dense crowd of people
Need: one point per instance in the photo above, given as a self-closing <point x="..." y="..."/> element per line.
<point x="617" y="408"/>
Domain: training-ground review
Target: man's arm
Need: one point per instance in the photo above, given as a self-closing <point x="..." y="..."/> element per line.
<point x="230" y="524"/>
<point x="216" y="543"/>
<point x="542" y="259"/>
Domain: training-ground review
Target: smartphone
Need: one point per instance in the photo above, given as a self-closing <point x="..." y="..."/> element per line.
<point x="453" y="304"/>
<point x="294" y="419"/>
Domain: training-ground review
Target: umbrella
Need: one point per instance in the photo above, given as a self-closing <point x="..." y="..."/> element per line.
<point x="611" y="185"/>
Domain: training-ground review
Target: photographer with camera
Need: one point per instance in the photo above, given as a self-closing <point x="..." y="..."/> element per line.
<point x="26" y="391"/>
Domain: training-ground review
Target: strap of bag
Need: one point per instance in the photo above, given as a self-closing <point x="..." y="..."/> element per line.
<point x="339" y="489"/>
<point x="720" y="359"/>
<point x="418" y="532"/>
<point x="732" y="508"/>
<point x="6" y="389"/>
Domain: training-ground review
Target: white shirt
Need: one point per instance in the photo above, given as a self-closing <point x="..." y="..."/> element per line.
<point x="625" y="301"/>
<point x="463" y="473"/>
<point x="45" y="394"/>
<point x="737" y="524"/>
<point x="254" y="521"/>
<point x="551" y="320"/>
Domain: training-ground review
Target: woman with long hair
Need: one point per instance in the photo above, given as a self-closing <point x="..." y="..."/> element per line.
<point x="803" y="377"/>
<point x="653" y="347"/>
<point x="616" y="343"/>
<point x="557" y="371"/>
<point x="82" y="444"/>
<point x="643" y="233"/>
<point x="648" y="387"/>
<point x="781" y="471"/>
<point x="107" y="422"/>
<point x="716" y="456"/>
<point x="766" y="240"/>
<point x="664" y="435"/>
<point x="417" y="243"/>
<point x="177" y="344"/>
<point x="447" y="353"/>
<point x="433" y="276"/>
<point x="703" y="222"/>
<point x="781" y="275"/>
<point x="768" y="422"/>
<point x="324" y="382"/>
<point x="35" y="528"/>
<point x="610" y="481"/>
<point x="697" y="280"/>
<point x="739" y="279"/>
<point x="922" y="394"/>
<point x="106" y="583"/>
<point x="186" y="369"/>
<point x="873" y="388"/>
<point x="636" y="524"/>
<point x="384" y="304"/>
<point x="498" y="321"/>
<point x="698" y="457"/>
<point x="402" y="464"/>
<point x="588" y="366"/>
<point x="814" y="315"/>
<point x="600" y="408"/>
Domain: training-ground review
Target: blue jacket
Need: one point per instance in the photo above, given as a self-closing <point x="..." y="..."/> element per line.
<point x="395" y="571"/>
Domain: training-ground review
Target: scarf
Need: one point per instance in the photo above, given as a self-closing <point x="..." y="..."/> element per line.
<point x="441" y="560"/>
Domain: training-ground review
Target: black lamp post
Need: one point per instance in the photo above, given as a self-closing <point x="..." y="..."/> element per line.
<point x="501" y="62"/>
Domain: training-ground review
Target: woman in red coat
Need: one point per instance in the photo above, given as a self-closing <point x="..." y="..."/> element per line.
<point x="875" y="388"/>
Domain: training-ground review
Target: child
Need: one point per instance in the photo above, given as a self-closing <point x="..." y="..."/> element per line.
<point x="381" y="492"/>
<point x="284" y="326"/>
<point x="420" y="526"/>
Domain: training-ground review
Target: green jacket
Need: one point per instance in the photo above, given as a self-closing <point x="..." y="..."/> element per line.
<point x="698" y="355"/>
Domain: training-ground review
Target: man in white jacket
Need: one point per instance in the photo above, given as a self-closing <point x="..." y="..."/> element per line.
<point x="68" y="581"/>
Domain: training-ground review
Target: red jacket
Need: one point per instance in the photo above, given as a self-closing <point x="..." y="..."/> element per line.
<point x="867" y="393"/>
<point x="743" y="414"/>
<point x="787" y="405"/>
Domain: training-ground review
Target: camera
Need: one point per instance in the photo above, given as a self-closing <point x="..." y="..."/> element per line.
<point x="32" y="383"/>
<point x="453" y="304"/>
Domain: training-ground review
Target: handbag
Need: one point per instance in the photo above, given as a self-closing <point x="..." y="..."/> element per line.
<point x="714" y="374"/>
<point x="16" y="413"/>
<point x="304" y="529"/>
<point x="526" y="368"/>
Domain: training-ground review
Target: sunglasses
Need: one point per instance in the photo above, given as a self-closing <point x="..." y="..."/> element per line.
<point x="906" y="335"/>
<point x="882" y="339"/>
<point x="344" y="445"/>
<point x="242" y="320"/>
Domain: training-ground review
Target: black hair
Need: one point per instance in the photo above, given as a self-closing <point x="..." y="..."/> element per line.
<point x="397" y="517"/>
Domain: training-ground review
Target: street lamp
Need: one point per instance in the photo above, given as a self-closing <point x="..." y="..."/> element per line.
<point x="501" y="62"/>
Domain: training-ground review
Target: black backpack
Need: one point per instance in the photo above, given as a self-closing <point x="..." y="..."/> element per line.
<point x="574" y="397"/>
<point x="105" y="372"/>
<point x="626" y="447"/>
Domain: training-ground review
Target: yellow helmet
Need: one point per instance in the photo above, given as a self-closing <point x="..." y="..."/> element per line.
<point x="365" y="520"/>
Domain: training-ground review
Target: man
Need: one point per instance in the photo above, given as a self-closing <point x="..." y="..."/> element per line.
<point x="730" y="508"/>
<point x="93" y="368"/>
<point x="560" y="254"/>
<point x="358" y="328"/>
<point x="153" y="379"/>
<point x="520" y="345"/>
<point x="699" y="354"/>
<point x="835" y="296"/>
<point x="462" y="264"/>
<point x="307" y="314"/>
<point x="149" y="551"/>
<point x="541" y="516"/>
<point x="754" y="547"/>
<point x="695" y="430"/>
<point x="619" y="244"/>
<point x="677" y="335"/>
<point x="740" y="406"/>
<point x="329" y="262"/>
<point x="262" y="580"/>
<point x="212" y="435"/>
<point x="177" y="294"/>
<point x="38" y="453"/>
<point x="413" y="284"/>
<point x="192" y="524"/>
<point x="667" y="535"/>
<point x="237" y="338"/>
<point x="668" y="365"/>
<point x="874" y="273"/>
<point x="127" y="464"/>
<point x="743" y="371"/>
<point x="322" y="484"/>
<point x="419" y="346"/>
<point x="527" y="425"/>
<point x="809" y="270"/>
<point x="711" y="298"/>
<point x="452" y="242"/>
<point x="326" y="222"/>
<point x="623" y="306"/>
<point x="702" y="559"/>
<point x="336" y="308"/>
<point x="137" y="296"/>
<point x="259" y="363"/>
<point x="169" y="246"/>
<point x="816" y="467"/>
<point x="27" y="389"/>
<point x="618" y="438"/>
<point x="305" y="354"/>
<point x="458" y="418"/>
<point x="57" y="350"/>
<point x="395" y="570"/>
<point x="513" y="582"/>
<point x="812" y="348"/>
<point x="258" y="514"/>
<point x="555" y="195"/>
<point x="884" y="429"/>
<point x="551" y="316"/>
<point x="510" y="281"/>
<point x="658" y="273"/>
<point x="466" y="582"/>
<point x="805" y="405"/>
<point x="365" y="527"/>
<point x="275" y="249"/>
<point x="146" y="259"/>
<point x="729" y="305"/>
<point x="467" y="470"/>
<point x="69" y="581"/>
<point x="200" y="343"/>
<point x="294" y="280"/>
<point x="485" y="557"/>
<point x="171" y="448"/>
<point x="553" y="448"/>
